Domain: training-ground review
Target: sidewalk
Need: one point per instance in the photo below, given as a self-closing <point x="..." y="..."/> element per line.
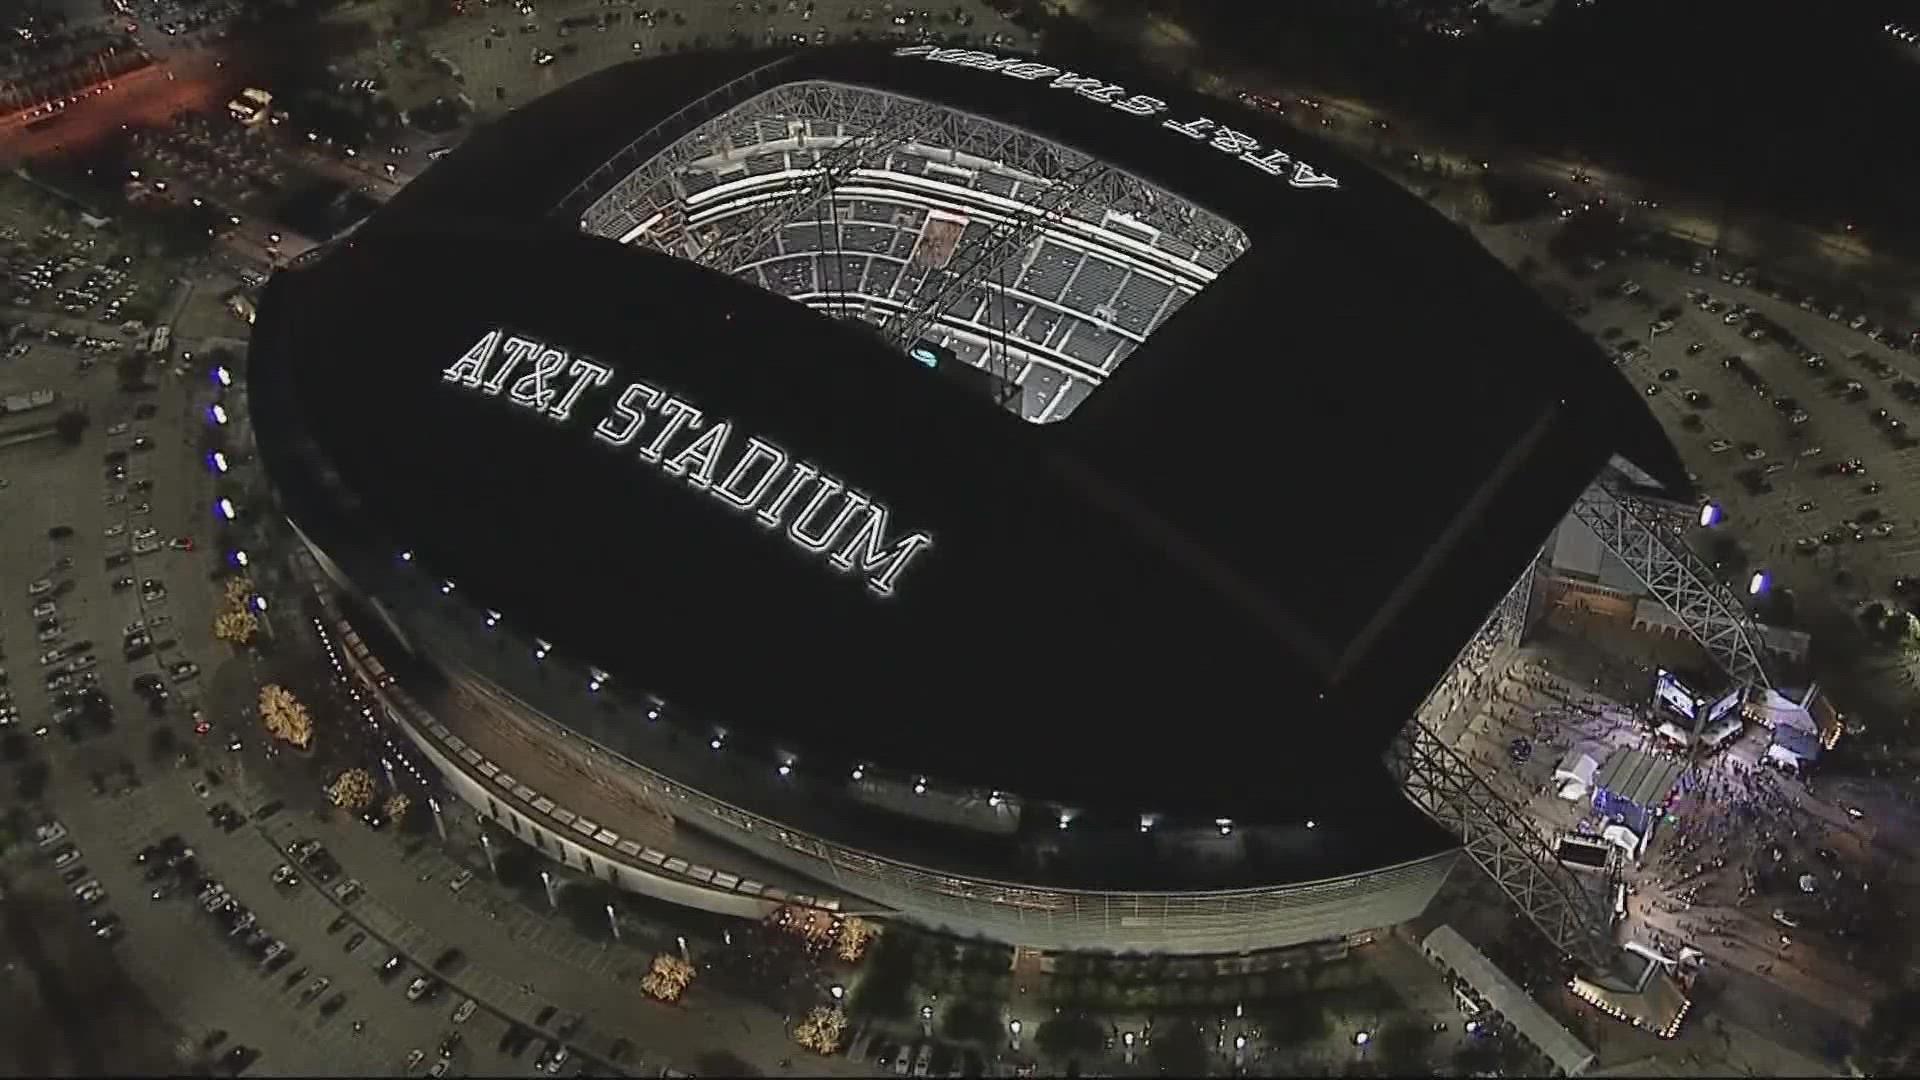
<point x="518" y="948"/>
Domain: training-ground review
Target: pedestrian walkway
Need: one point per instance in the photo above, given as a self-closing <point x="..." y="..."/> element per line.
<point x="521" y="960"/>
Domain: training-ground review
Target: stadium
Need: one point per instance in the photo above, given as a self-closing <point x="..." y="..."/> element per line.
<point x="1024" y="502"/>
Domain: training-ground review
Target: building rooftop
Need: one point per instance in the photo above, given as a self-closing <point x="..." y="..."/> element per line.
<point x="1219" y="586"/>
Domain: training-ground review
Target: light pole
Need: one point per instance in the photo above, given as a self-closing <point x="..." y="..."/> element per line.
<point x="926" y="1021"/>
<point x="837" y="992"/>
<point x="613" y="922"/>
<point x="1013" y="1035"/>
<point x="553" y="901"/>
<point x="682" y="942"/>
<point x="439" y="822"/>
<point x="1239" y="1052"/>
<point x="1126" y="1042"/>
<point x="486" y="845"/>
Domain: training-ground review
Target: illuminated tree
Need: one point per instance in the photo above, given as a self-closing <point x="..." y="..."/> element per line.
<point x="235" y="626"/>
<point x="397" y="806"/>
<point x="352" y="790"/>
<point x="238" y="591"/>
<point x="820" y="1032"/>
<point x="668" y="978"/>
<point x="286" y="719"/>
<point x="852" y="938"/>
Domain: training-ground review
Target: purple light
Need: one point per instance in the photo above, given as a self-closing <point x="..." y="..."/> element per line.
<point x="1760" y="583"/>
<point x="1710" y="515"/>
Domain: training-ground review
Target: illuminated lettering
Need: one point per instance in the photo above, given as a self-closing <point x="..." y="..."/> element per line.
<point x="700" y="456"/>
<point x="774" y="512"/>
<point x="1030" y="71"/>
<point x="1246" y="148"/>
<point x="1141" y="105"/>
<point x="631" y="413"/>
<point x="585" y="373"/>
<point x="819" y="541"/>
<point x="1273" y="162"/>
<point x="1228" y="141"/>
<point x="515" y="350"/>
<point x="678" y="415"/>
<point x="757" y="452"/>
<point x="1306" y="176"/>
<point x="1192" y="129"/>
<point x="868" y="551"/>
<point x="1073" y="80"/>
<point x="531" y="391"/>
<point x="816" y="512"/>
<point x="472" y="365"/>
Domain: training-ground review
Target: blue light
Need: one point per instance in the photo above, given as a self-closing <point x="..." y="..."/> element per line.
<point x="924" y="355"/>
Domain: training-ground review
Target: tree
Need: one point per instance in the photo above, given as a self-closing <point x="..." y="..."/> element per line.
<point x="668" y="978"/>
<point x="72" y="426"/>
<point x="162" y="743"/>
<point x="237" y="591"/>
<point x="852" y="936"/>
<point x="235" y="626"/>
<point x="1890" y="1042"/>
<point x="972" y="1021"/>
<point x="131" y="369"/>
<point x="397" y="806"/>
<point x="1298" y="1020"/>
<point x="352" y="790"/>
<point x="1403" y="1048"/>
<point x="1070" y="1035"/>
<point x="1179" y="1050"/>
<point x="288" y="720"/>
<point x="820" y="1032"/>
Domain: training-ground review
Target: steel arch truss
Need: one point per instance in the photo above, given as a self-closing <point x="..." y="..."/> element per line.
<point x="988" y="258"/>
<point x="1494" y="832"/>
<point x="889" y="121"/>
<point x="643" y="179"/>
<point x="1642" y="535"/>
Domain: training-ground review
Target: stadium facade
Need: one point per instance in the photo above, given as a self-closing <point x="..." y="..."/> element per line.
<point x="1022" y="501"/>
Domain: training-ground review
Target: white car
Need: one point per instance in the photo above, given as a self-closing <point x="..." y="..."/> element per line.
<point x="45" y="609"/>
<point x="118" y="429"/>
<point x="460" y="881"/>
<point x="40" y="588"/>
<point x="464" y="1011"/>
<point x="1660" y="327"/>
<point x="146" y="534"/>
<point x="1719" y="446"/>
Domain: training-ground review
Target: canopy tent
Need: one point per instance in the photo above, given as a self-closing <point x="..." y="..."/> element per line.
<point x="1576" y="770"/>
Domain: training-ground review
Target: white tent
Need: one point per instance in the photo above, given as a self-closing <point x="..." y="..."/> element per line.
<point x="1777" y="710"/>
<point x="1576" y="771"/>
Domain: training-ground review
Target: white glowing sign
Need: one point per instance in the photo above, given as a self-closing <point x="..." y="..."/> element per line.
<point x="1213" y="134"/>
<point x="816" y="512"/>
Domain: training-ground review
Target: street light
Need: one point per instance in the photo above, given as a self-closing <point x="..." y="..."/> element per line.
<point x="1013" y="1035"/>
<point x="926" y="1021"/>
<point x="837" y="992"/>
<point x="547" y="880"/>
<point x="613" y="922"/>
